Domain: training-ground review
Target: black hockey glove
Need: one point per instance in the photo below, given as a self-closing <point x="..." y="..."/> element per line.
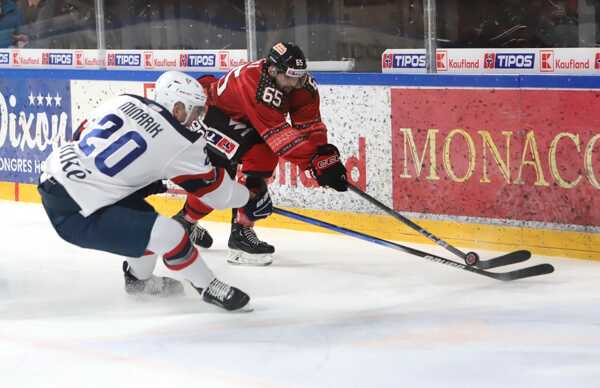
<point x="260" y="205"/>
<point x="327" y="168"/>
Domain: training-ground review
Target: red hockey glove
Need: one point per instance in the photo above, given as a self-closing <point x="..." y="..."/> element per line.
<point x="327" y="168"/>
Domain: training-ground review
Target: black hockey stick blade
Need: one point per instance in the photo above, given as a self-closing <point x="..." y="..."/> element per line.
<point x="527" y="272"/>
<point x="536" y="270"/>
<point x="509" y="258"/>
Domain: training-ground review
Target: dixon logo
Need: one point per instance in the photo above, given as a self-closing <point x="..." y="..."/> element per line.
<point x="57" y="59"/>
<point x="409" y="61"/>
<point x="35" y="119"/>
<point x="197" y="60"/>
<point x="4" y="58"/>
<point x="117" y="59"/>
<point x="509" y="61"/>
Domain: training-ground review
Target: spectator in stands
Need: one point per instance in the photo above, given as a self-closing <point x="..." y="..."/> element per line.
<point x="37" y="23"/>
<point x="557" y="24"/>
<point x="75" y="25"/>
<point x="10" y="20"/>
<point x="514" y="23"/>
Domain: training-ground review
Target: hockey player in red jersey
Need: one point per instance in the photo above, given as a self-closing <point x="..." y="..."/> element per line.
<point x="258" y="113"/>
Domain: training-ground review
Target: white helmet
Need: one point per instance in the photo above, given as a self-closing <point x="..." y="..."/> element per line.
<point x="174" y="86"/>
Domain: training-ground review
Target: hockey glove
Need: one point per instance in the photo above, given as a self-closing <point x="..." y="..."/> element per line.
<point x="327" y="169"/>
<point x="260" y="205"/>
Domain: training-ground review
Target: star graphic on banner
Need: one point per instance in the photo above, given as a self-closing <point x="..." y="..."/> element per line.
<point x="48" y="100"/>
<point x="57" y="99"/>
<point x="31" y="98"/>
<point x="40" y="99"/>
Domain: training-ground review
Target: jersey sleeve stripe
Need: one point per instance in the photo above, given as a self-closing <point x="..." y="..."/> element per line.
<point x="286" y="148"/>
<point x="306" y="124"/>
<point x="274" y="131"/>
<point x="318" y="129"/>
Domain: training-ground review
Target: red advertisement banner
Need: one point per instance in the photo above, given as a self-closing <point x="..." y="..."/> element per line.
<point x="530" y="155"/>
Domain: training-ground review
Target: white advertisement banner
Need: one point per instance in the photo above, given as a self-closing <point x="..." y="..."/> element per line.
<point x="89" y="59"/>
<point x="191" y="60"/>
<point x="495" y="61"/>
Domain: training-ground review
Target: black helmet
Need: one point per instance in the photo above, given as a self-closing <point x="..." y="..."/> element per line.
<point x="288" y="58"/>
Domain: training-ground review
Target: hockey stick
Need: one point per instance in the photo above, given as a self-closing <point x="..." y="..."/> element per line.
<point x="510" y="258"/>
<point x="470" y="258"/>
<point x="535" y="270"/>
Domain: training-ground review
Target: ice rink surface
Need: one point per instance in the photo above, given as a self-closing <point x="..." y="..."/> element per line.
<point x="332" y="311"/>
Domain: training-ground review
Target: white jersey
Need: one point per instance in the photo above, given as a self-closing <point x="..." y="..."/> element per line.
<point x="128" y="143"/>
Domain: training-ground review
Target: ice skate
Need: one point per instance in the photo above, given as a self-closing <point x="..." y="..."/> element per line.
<point x="155" y="286"/>
<point x="225" y="296"/>
<point x="247" y="249"/>
<point x="198" y="234"/>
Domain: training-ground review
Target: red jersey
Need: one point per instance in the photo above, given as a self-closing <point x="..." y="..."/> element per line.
<point x="248" y="94"/>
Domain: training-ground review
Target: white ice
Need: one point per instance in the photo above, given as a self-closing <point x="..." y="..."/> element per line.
<point x="331" y="311"/>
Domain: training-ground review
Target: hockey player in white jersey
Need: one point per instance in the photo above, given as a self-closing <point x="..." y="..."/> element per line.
<point x="93" y="188"/>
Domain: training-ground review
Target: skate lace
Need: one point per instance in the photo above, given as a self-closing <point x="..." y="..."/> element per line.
<point x="196" y="233"/>
<point x="250" y="235"/>
<point x="218" y="289"/>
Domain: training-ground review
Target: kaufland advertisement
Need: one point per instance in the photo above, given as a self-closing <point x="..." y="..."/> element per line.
<point x="189" y="60"/>
<point x="495" y="61"/>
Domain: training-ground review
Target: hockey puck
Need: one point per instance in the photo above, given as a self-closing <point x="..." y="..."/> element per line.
<point x="471" y="258"/>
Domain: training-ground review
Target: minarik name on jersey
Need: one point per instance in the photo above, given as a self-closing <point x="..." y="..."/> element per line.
<point x="143" y="119"/>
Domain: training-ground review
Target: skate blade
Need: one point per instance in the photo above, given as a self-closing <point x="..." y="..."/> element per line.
<point x="246" y="309"/>
<point x="238" y="257"/>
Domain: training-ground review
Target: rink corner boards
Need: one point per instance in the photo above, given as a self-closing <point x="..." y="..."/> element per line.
<point x="548" y="242"/>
